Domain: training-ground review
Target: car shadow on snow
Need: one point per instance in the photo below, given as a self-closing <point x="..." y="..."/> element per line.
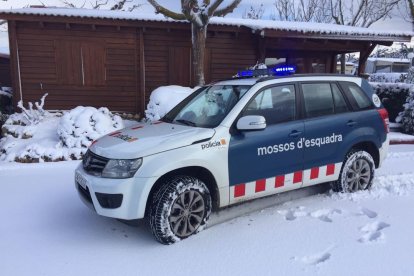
<point x="77" y="223"/>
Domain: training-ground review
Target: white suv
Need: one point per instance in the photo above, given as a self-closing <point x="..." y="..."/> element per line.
<point x="233" y="141"/>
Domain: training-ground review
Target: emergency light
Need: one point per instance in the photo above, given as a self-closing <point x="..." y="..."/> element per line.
<point x="274" y="71"/>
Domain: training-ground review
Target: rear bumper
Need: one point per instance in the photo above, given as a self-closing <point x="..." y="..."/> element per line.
<point x="383" y="151"/>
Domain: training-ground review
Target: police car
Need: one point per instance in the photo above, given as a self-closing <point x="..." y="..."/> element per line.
<point x="237" y="140"/>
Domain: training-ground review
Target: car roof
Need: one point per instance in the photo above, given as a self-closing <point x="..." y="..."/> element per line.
<point x="254" y="80"/>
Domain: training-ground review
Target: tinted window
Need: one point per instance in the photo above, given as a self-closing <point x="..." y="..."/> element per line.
<point x="318" y="99"/>
<point x="357" y="94"/>
<point x="339" y="100"/>
<point x="276" y="104"/>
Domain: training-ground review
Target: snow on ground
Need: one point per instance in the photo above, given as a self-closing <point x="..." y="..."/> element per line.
<point x="398" y="137"/>
<point x="46" y="230"/>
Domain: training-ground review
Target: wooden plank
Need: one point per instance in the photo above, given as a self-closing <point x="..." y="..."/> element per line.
<point x="14" y="63"/>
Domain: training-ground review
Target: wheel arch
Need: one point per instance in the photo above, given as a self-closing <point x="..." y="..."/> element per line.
<point x="195" y="171"/>
<point x="369" y="147"/>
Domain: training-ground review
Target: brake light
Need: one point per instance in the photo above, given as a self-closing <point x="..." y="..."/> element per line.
<point x="384" y="116"/>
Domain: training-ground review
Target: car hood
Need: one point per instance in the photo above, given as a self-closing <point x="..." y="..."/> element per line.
<point x="146" y="139"/>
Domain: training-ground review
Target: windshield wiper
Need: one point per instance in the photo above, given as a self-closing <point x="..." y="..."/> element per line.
<point x="186" y="122"/>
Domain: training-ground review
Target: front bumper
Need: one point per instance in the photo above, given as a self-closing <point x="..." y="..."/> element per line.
<point x="116" y="198"/>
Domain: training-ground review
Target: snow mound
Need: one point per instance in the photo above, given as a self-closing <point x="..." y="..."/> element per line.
<point x="79" y="127"/>
<point x="164" y="98"/>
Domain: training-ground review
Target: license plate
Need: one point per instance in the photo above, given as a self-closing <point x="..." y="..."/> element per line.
<point x="80" y="180"/>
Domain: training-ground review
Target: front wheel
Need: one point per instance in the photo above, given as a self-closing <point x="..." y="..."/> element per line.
<point x="180" y="209"/>
<point x="357" y="172"/>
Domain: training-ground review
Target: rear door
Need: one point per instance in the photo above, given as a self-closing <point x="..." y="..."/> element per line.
<point x="267" y="161"/>
<point x="328" y="121"/>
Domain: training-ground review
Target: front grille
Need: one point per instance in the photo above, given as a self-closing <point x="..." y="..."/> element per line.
<point x="94" y="164"/>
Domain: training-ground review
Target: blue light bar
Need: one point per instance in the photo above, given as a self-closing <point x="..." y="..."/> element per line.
<point x="275" y="71"/>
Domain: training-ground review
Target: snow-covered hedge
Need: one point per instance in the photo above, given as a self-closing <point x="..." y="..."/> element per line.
<point x="22" y="125"/>
<point x="396" y="93"/>
<point x="79" y="127"/>
<point x="164" y="98"/>
<point x="388" y="77"/>
<point x="406" y="117"/>
<point x="56" y="137"/>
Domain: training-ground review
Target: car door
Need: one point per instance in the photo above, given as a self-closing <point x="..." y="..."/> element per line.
<point x="267" y="161"/>
<point x="328" y="121"/>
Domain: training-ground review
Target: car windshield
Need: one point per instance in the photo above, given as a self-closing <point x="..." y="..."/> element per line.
<point x="206" y="107"/>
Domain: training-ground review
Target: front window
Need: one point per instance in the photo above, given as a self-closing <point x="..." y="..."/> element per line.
<point x="206" y="107"/>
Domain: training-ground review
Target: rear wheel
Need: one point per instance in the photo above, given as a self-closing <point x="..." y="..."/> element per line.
<point x="180" y="209"/>
<point x="357" y="172"/>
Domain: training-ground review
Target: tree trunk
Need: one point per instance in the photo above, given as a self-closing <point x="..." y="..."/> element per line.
<point x="199" y="46"/>
<point x="342" y="63"/>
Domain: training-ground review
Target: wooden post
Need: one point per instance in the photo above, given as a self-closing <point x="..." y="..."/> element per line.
<point x="260" y="49"/>
<point x="363" y="57"/>
<point x="142" y="69"/>
<point x="14" y="63"/>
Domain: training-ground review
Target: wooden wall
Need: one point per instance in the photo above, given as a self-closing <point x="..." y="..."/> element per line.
<point x="168" y="59"/>
<point x="102" y="66"/>
<point x="5" y="78"/>
<point x="78" y="65"/>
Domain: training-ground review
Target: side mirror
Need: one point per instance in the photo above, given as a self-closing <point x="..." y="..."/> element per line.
<point x="251" y="122"/>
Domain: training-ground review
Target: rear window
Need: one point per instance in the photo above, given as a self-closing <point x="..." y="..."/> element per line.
<point x="358" y="96"/>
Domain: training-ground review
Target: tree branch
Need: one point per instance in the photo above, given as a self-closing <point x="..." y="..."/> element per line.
<point x="214" y="7"/>
<point x="228" y="9"/>
<point x="166" y="12"/>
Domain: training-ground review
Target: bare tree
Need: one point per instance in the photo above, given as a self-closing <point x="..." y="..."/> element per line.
<point x="406" y="9"/>
<point x="98" y="4"/>
<point x="362" y="13"/>
<point x="254" y="12"/>
<point x="198" y="13"/>
<point x="302" y="10"/>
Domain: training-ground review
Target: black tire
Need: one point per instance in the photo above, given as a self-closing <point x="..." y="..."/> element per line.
<point x="180" y="208"/>
<point x="357" y="172"/>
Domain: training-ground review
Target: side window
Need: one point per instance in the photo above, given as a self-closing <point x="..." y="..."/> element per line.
<point x="339" y="100"/>
<point x="276" y="104"/>
<point x="357" y="94"/>
<point x="318" y="99"/>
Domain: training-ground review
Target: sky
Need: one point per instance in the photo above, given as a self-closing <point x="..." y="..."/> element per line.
<point x="395" y="23"/>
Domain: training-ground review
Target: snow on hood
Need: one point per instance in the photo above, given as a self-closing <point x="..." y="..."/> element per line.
<point x="146" y="139"/>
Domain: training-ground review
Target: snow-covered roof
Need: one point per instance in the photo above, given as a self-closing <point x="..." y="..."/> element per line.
<point x="302" y="27"/>
<point x="390" y="60"/>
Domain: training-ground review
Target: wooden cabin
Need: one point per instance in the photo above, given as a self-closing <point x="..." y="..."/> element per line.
<point x="115" y="59"/>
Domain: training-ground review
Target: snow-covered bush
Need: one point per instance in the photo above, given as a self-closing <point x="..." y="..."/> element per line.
<point x="23" y="125"/>
<point x="163" y="99"/>
<point x="406" y="117"/>
<point x="410" y="75"/>
<point x="80" y="126"/>
<point x="33" y="116"/>
<point x="387" y="77"/>
<point x="396" y="93"/>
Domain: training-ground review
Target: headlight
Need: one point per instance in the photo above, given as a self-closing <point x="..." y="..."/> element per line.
<point x="120" y="168"/>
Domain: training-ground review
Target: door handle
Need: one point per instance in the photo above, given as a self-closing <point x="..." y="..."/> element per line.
<point x="295" y="133"/>
<point x="351" y="123"/>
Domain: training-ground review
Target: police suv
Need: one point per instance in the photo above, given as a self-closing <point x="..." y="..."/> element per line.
<point x="233" y="141"/>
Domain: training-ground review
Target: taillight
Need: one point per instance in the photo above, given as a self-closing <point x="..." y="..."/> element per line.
<point x="384" y="116"/>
